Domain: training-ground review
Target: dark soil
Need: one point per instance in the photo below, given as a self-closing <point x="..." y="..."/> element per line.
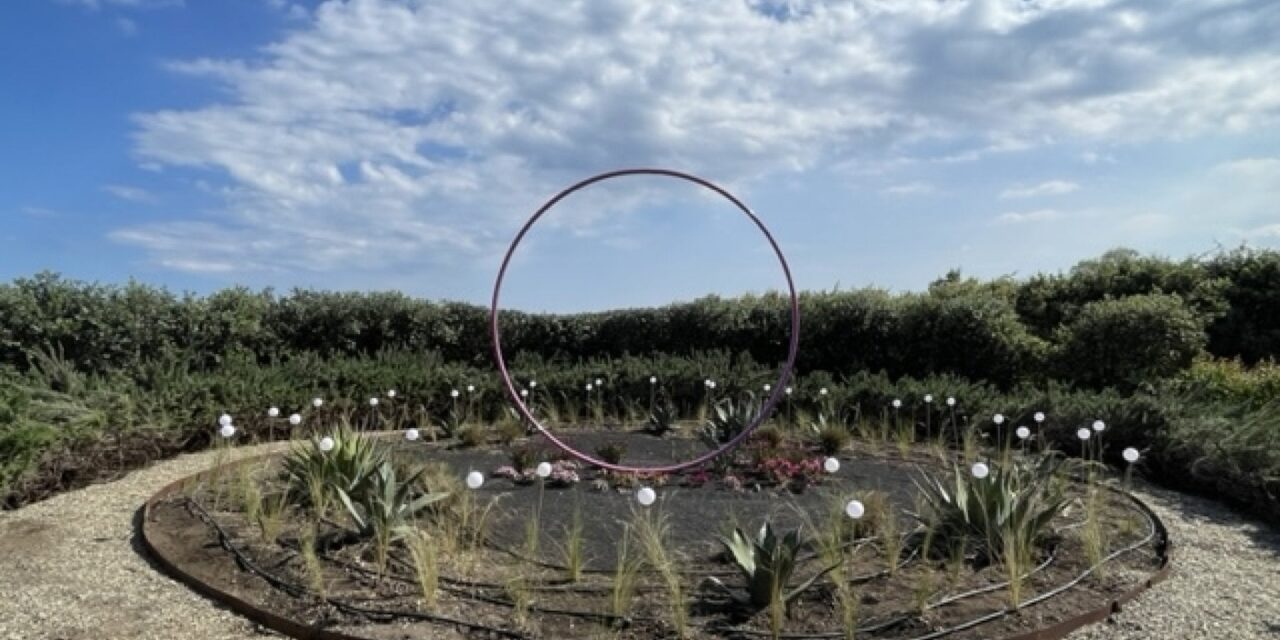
<point x="511" y="588"/>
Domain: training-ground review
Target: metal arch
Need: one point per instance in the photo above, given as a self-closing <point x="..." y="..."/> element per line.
<point x="778" y="386"/>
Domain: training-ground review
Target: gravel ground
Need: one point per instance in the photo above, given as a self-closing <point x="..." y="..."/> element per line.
<point x="70" y="569"/>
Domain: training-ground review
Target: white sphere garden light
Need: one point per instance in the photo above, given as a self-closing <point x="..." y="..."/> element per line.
<point x="475" y="480"/>
<point x="471" y="388"/>
<point x="998" y="418"/>
<point x="1083" y="433"/>
<point x="373" y="402"/>
<point x="453" y="393"/>
<point x="767" y="387"/>
<point x="1023" y="433"/>
<point x="822" y="391"/>
<point x="273" y="412"/>
<point x="588" y="387"/>
<point x="599" y="382"/>
<point x="1099" y="426"/>
<point x="1131" y="455"/>
<point x="980" y="470"/>
<point x="227" y="430"/>
<point x="543" y="470"/>
<point x="524" y="393"/>
<point x="411" y="434"/>
<point x="1039" y="416"/>
<point x="653" y="379"/>
<point x="646" y="496"/>
<point x="897" y="404"/>
<point x="713" y="384"/>
<point x="533" y="384"/>
<point x="951" y="402"/>
<point x="317" y="402"/>
<point x="928" y="398"/>
<point x="295" y="419"/>
<point x="855" y="509"/>
<point x="391" y="393"/>
<point x="224" y="420"/>
<point x="788" y="390"/>
<point x="326" y="444"/>
<point x="831" y="465"/>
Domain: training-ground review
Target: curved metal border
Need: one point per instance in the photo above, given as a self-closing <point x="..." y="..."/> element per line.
<point x="301" y="631"/>
<point x="778" y="386"/>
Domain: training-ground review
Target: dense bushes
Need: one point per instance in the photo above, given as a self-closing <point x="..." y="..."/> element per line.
<point x="1127" y="341"/>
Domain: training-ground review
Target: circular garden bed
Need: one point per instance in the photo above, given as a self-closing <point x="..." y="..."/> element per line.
<point x="574" y="555"/>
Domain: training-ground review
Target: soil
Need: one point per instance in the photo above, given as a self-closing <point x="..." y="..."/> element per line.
<point x="510" y="588"/>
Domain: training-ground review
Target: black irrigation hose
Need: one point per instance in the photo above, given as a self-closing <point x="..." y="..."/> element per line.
<point x="299" y="590"/>
<point x="969" y="624"/>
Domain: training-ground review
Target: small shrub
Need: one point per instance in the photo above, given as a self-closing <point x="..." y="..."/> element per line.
<point x="611" y="452"/>
<point x="830" y="437"/>
<point x="662" y="419"/>
<point x="767" y="562"/>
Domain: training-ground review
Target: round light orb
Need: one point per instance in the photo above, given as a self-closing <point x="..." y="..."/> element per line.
<point x="822" y="391"/>
<point x="317" y="402"/>
<point x="951" y="402"/>
<point x="788" y="390"/>
<point x="543" y="470"/>
<point x="998" y="418"/>
<point x="273" y="412"/>
<point x="533" y="384"/>
<point x="1083" y="433"/>
<point x="599" y="382"/>
<point x="475" y="480"/>
<point x="588" y="387"/>
<point x="928" y="398"/>
<point x="411" y="434"/>
<point x="453" y="393"/>
<point x="326" y="444"/>
<point x="653" y="379"/>
<point x="855" y="509"/>
<point x="713" y="384"/>
<point x="1023" y="433"/>
<point x="226" y="430"/>
<point x="1099" y="425"/>
<point x="1039" y="416"/>
<point x="831" y="465"/>
<point x="646" y="496"/>
<point x="373" y="402"/>
<point x="980" y="470"/>
<point x="224" y="420"/>
<point x="295" y="419"/>
<point x="471" y="388"/>
<point x="1131" y="455"/>
<point x="767" y="388"/>
<point x="897" y="404"/>
<point x="524" y="393"/>
<point x="707" y="382"/>
<point x="391" y="393"/>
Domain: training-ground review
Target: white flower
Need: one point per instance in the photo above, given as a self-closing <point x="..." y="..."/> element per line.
<point x="1023" y="433"/>
<point x="317" y="402"/>
<point x="831" y="465"/>
<point x="326" y="444"/>
<point x="897" y="404"/>
<point x="295" y="419"/>
<point x="928" y="398"/>
<point x="411" y="434"/>
<point x="1039" y="416"/>
<point x="391" y="393"/>
<point x="787" y="390"/>
<point x="226" y="431"/>
<point x="453" y="393"/>
<point x="273" y="412"/>
<point x="1099" y="425"/>
<point x="980" y="470"/>
<point x="373" y="402"/>
<point x="653" y="379"/>
<point x="1083" y="433"/>
<point x="543" y="470"/>
<point x="998" y="418"/>
<point x="475" y="480"/>
<point x="224" y="420"/>
<point x="951" y="402"/>
<point x="1131" y="455"/>
<point x="854" y="509"/>
<point x="645" y="496"/>
<point x="471" y="388"/>
<point x="822" y="391"/>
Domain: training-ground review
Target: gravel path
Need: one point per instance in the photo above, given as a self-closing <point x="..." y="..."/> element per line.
<point x="70" y="569"/>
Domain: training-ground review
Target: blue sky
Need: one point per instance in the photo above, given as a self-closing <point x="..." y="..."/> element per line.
<point x="398" y="144"/>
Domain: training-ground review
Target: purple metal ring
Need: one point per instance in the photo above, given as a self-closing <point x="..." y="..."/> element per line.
<point x="778" y="386"/>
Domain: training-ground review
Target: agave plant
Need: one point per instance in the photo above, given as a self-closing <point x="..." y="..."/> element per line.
<point x="315" y="476"/>
<point x="386" y="505"/>
<point x="662" y="419"/>
<point x="767" y="563"/>
<point x="730" y="418"/>
<point x="1009" y="508"/>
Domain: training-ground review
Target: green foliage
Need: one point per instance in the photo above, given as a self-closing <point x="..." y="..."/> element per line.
<point x="831" y="437"/>
<point x="611" y="452"/>
<point x="662" y="419"/>
<point x="730" y="418"/>
<point x="1009" y="509"/>
<point x="312" y="475"/>
<point x="1129" y="341"/>
<point x="767" y="563"/>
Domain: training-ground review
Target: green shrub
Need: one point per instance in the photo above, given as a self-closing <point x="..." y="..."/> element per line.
<point x="1129" y="341"/>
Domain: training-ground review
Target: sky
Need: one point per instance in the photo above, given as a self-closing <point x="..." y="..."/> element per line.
<point x="401" y="144"/>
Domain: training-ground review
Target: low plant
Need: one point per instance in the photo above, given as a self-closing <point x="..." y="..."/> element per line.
<point x="425" y="553"/>
<point x="574" y="555"/>
<point x="311" y="562"/>
<point x="451" y="423"/>
<point x="626" y="572"/>
<point x="271" y="516"/>
<point x="831" y="437"/>
<point x="314" y="477"/>
<point x="662" y="419"/>
<point x="1017" y="501"/>
<point x="383" y="510"/>
<point x="767" y="563"/>
<point x="729" y="418"/>
<point x="654" y="533"/>
<point x="471" y="436"/>
<point x="611" y="452"/>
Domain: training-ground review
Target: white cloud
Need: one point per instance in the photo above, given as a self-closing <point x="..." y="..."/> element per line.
<point x="132" y="194"/>
<point x="909" y="189"/>
<point x="379" y="132"/>
<point x="1050" y="188"/>
<point x="1024" y="217"/>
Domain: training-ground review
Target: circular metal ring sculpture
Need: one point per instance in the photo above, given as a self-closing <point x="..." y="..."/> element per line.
<point x="778" y="387"/>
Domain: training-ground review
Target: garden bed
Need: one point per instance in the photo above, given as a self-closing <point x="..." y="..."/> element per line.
<point x="511" y="582"/>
